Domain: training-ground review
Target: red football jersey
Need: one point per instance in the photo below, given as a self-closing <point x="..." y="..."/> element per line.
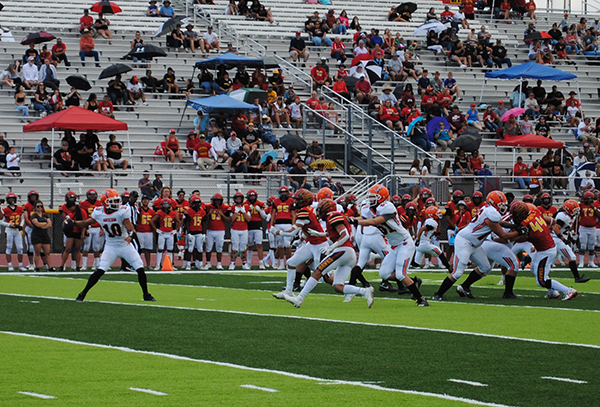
<point x="334" y="219"/>
<point x="215" y="220"/>
<point x="13" y="215"/>
<point x="239" y="222"/>
<point x="551" y="211"/>
<point x="181" y="207"/>
<point x="157" y="202"/>
<point x="283" y="210"/>
<point x="73" y="215"/>
<point x="452" y="211"/>
<point x="255" y="218"/>
<point x="408" y="222"/>
<point x="352" y="211"/>
<point x="144" y="219"/>
<point x="587" y="215"/>
<point x="89" y="208"/>
<point x="475" y="208"/>
<point x="308" y="219"/>
<point x="539" y="231"/>
<point x="463" y="220"/>
<point x="195" y="219"/>
<point x="401" y="211"/>
<point x="166" y="220"/>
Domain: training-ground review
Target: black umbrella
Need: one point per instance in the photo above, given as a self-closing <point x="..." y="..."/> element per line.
<point x="1" y="6"/>
<point x="78" y="82"/>
<point x="169" y="25"/>
<point x="114" y="70"/>
<point x="146" y="51"/>
<point x="538" y="35"/>
<point x="293" y="142"/>
<point x="37" y="38"/>
<point x="469" y="140"/>
<point x="412" y="7"/>
<point x="106" y="7"/>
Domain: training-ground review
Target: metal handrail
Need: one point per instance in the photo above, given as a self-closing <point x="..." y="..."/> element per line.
<point x="294" y="71"/>
<point x="253" y="43"/>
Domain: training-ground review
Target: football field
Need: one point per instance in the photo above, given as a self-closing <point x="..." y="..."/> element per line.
<point x="218" y="339"/>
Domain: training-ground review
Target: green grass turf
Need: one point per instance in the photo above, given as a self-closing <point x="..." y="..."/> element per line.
<point x="79" y="375"/>
<point x="395" y="358"/>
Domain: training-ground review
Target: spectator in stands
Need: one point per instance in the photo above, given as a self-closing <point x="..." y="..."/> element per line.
<point x="219" y="144"/>
<point x="177" y="39"/>
<point x="238" y="162"/>
<point x="91" y="103"/>
<point x="554" y="100"/>
<point x="207" y="81"/>
<point x="363" y="91"/>
<point x="63" y="160"/>
<point x="483" y="174"/>
<point x="360" y="49"/>
<point x="520" y="172"/>
<point x="265" y="14"/>
<point x="114" y="152"/>
<point x="429" y="103"/>
<point x="117" y="91"/>
<point x="212" y="129"/>
<point x="172" y="147"/>
<point x="145" y="185"/>
<point x="458" y="54"/>
<point x="340" y="88"/>
<point x="295" y="109"/>
<point x="86" y="22"/>
<point x="4" y="147"/>
<point x="476" y="162"/>
<point x="542" y="128"/>
<point x="423" y="82"/>
<point x="86" y="48"/>
<point x="499" y="55"/>
<point x="473" y="117"/>
<point x="106" y="107"/>
<point x="389" y="116"/>
<point x="298" y="176"/>
<point x="135" y="91"/>
<point x="418" y="136"/>
<point x="157" y="184"/>
<point x="318" y="75"/>
<point x="42" y="150"/>
<point x="152" y="84"/>
<point x="532" y="107"/>
<point x="259" y="79"/>
<point x="555" y="33"/>
<point x="573" y="114"/>
<point x="42" y="101"/>
<point x="587" y="183"/>
<point x="444" y="100"/>
<point x="250" y="138"/>
<point x="167" y="10"/>
<point x="589" y="153"/>
<point x="526" y="125"/>
<point x="505" y="7"/>
<point x="589" y="42"/>
<point x="191" y="38"/>
<point x="338" y="51"/>
<point x="517" y="98"/>
<point x="484" y="36"/>
<point x="314" y="152"/>
<point x="395" y="69"/>
<point x="48" y="75"/>
<point x="30" y="74"/>
<point x="191" y="141"/>
<point x="388" y="95"/>
<point x="456" y="119"/>
<point x="59" y="52"/>
<point x="530" y="7"/>
<point x="45" y="54"/>
<point x="581" y="27"/>
<point x="210" y="41"/>
<point x="170" y="82"/>
<point x="277" y="81"/>
<point x="512" y="128"/>
<point x="266" y="131"/>
<point x="442" y="137"/>
<point x="101" y="25"/>
<point x="322" y="177"/>
<point x="233" y="143"/>
<point x="298" y="49"/>
<point x="231" y="9"/>
<point x="572" y="43"/>
<point x="462" y="166"/>
<point x="21" y="105"/>
<point x="6" y="78"/>
<point x="451" y="84"/>
<point x="152" y="11"/>
<point x="489" y="119"/>
<point x="83" y="155"/>
<point x="499" y="112"/>
<point x="56" y="101"/>
<point x="535" y="52"/>
<point x="585" y="131"/>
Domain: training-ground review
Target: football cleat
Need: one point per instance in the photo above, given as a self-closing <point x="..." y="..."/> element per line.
<point x="552" y="294"/>
<point x="510" y="296"/>
<point x="206" y="266"/>
<point x="220" y="267"/>
<point x="437" y="297"/>
<point x="582" y="279"/>
<point x="570" y="294"/>
<point x="188" y="267"/>
<point x="349" y="297"/>
<point x="84" y="268"/>
<point x="369" y="295"/>
<point x="294" y="300"/>
<point x="297" y="288"/>
<point x="149" y="297"/>
<point x="157" y="268"/>
<point x="21" y="268"/>
<point x="80" y="297"/>
<point x="231" y="266"/>
<point x="281" y="295"/>
<point x="422" y="302"/>
<point x="464" y="292"/>
<point x="386" y="286"/>
<point x="246" y="266"/>
<point x="11" y="268"/>
<point x="261" y="266"/>
<point x="501" y="282"/>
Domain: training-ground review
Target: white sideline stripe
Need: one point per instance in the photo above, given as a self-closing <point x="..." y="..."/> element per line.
<point x="562" y="379"/>
<point x="416" y="328"/>
<point x="251" y="386"/>
<point x="255" y="369"/>
<point x="468" y="382"/>
<point x="38" y="395"/>
<point x="156" y="393"/>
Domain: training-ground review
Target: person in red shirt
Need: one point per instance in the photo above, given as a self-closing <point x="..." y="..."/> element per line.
<point x="318" y="75"/>
<point x="283" y="217"/>
<point x="165" y="222"/>
<point x="340" y="88"/>
<point x="340" y="256"/>
<point x="505" y="9"/>
<point x="531" y="7"/>
<point x="144" y="229"/>
<point x="364" y="92"/>
<point x="218" y="213"/>
<point x="444" y="99"/>
<point x="377" y="52"/>
<point x="95" y="235"/>
<point x="86" y="21"/>
<point x="202" y="155"/>
<point x="447" y="15"/>
<point x="13" y="225"/>
<point x="338" y="51"/>
<point x="427" y="100"/>
<point x="535" y="183"/>
<point x="59" y="53"/>
<point x="255" y="227"/>
<point x="520" y="172"/>
<point x="74" y="235"/>
<point x="389" y="115"/>
<point x="409" y="219"/>
<point x="571" y="99"/>
<point x="589" y="216"/>
<point x="106" y="108"/>
<point x="86" y="48"/>
<point x="469" y="6"/>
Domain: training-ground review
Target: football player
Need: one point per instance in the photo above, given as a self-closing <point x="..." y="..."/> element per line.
<point x="306" y="223"/>
<point x="561" y="226"/>
<point x="165" y="222"/>
<point x="28" y="210"/>
<point x="13" y="214"/>
<point x="73" y="233"/>
<point x="424" y="237"/>
<point x="95" y="235"/>
<point x="181" y="206"/>
<point x="339" y="256"/>
<point x="255" y="227"/>
<point x="451" y="214"/>
<point x="218" y="213"/>
<point x="283" y="218"/>
<point x="476" y="203"/>
<point x="531" y="223"/>
<point x="395" y="264"/>
<point x="240" y="216"/>
<point x="589" y="215"/>
<point x="271" y="236"/>
<point x="546" y="208"/>
<point x="114" y="219"/>
<point x="144" y="230"/>
<point x="194" y="224"/>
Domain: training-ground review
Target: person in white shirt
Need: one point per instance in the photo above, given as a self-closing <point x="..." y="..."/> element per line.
<point x="296" y="112"/>
<point x="30" y="73"/>
<point x="361" y="49"/>
<point x="580" y="159"/>
<point x="388" y="95"/>
<point x="135" y="91"/>
<point x="13" y="162"/>
<point x="587" y="184"/>
<point x="219" y="144"/>
<point x="584" y="131"/>
<point x="99" y="160"/>
<point x="210" y="40"/>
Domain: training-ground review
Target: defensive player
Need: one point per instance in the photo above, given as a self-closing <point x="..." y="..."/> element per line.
<point x="283" y="218"/>
<point x="73" y="235"/>
<point x="532" y="224"/>
<point x="13" y="214"/>
<point x="218" y="213"/>
<point x="240" y="216"/>
<point x="395" y="264"/>
<point x="307" y="223"/>
<point x="255" y="227"/>
<point x="143" y="228"/>
<point x="165" y="222"/>
<point x="424" y="238"/>
<point x="114" y="220"/>
<point x="339" y="256"/>
<point x="194" y="223"/>
<point x="95" y="235"/>
<point x="560" y="228"/>
<point x="589" y="215"/>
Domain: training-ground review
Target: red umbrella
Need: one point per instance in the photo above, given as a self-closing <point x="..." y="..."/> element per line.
<point x="361" y="57"/>
<point x="106" y="7"/>
<point x="538" y="35"/>
<point x="37" y="38"/>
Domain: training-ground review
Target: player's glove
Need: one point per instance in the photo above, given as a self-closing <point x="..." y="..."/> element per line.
<point x="326" y="250"/>
<point x="353" y="221"/>
<point x="273" y="230"/>
<point x="313" y="232"/>
<point x="523" y="230"/>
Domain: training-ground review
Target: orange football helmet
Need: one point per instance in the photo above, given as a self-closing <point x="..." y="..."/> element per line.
<point x="325" y="207"/>
<point x="378" y="194"/>
<point x="433" y="212"/>
<point x="497" y="200"/>
<point x="111" y="199"/>
<point x="324" y="193"/>
<point x="303" y="197"/>
<point x="571" y="207"/>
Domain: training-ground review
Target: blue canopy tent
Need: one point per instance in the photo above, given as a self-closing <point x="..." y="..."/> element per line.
<point x="230" y="60"/>
<point x="530" y="70"/>
<point x="218" y="104"/>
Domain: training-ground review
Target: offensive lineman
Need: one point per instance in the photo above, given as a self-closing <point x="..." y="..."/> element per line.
<point x="119" y="230"/>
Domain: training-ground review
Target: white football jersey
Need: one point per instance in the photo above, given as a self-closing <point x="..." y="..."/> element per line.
<point x="428" y="233"/>
<point x="112" y="223"/>
<point x="566" y="220"/>
<point x="392" y="229"/>
<point x="367" y="212"/>
<point x="477" y="231"/>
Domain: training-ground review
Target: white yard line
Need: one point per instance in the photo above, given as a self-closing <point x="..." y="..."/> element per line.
<point x="154" y="392"/>
<point x="562" y="379"/>
<point x="470" y="383"/>
<point x="38" y="395"/>
<point x="251" y="386"/>
<point x="416" y="328"/>
<point x="254" y="369"/>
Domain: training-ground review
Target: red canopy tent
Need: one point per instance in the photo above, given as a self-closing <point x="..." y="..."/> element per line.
<point x="75" y="118"/>
<point x="527" y="141"/>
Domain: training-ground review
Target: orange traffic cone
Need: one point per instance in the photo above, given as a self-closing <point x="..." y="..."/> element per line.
<point x="167" y="265"/>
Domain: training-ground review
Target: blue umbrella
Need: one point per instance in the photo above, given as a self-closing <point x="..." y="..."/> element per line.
<point x="272" y="154"/>
<point x="434" y="124"/>
<point x="412" y="124"/>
